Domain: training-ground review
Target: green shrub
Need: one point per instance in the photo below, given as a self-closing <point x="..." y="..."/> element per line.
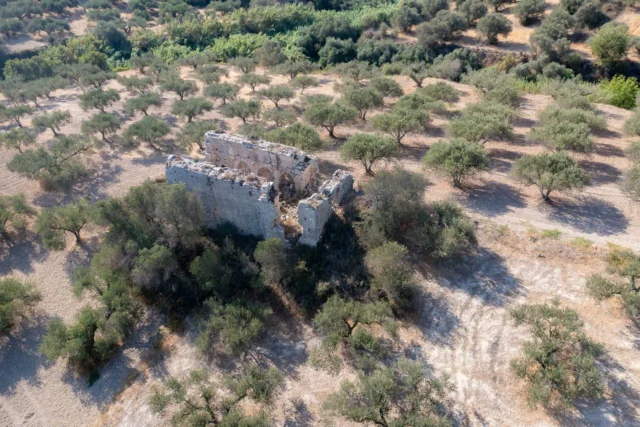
<point x="621" y="91"/>
<point x="16" y="299"/>
<point x="556" y="382"/>
<point x="440" y="91"/>
<point x="555" y="114"/>
<point x="632" y="125"/>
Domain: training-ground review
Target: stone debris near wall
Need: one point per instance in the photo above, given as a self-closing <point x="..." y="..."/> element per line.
<point x="264" y="189"/>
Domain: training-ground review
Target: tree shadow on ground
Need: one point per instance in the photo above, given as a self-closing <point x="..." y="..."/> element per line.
<point x="600" y="173"/>
<point x="155" y="158"/>
<point x="493" y="199"/>
<point x="435" y="319"/>
<point x="606" y="133"/>
<point x="20" y="355"/>
<point x="21" y="254"/>
<point x="502" y="160"/>
<point x="608" y="150"/>
<point x="590" y="215"/>
<point x="620" y="406"/>
<point x="482" y="274"/>
<point x="297" y="414"/>
<point x="284" y="348"/>
<point x="412" y="153"/>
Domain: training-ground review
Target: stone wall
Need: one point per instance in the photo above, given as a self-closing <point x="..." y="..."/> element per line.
<point x="280" y="164"/>
<point x="231" y="190"/>
<point x="246" y="201"/>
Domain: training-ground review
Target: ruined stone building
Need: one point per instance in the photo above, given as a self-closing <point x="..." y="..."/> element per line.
<point x="264" y="189"/>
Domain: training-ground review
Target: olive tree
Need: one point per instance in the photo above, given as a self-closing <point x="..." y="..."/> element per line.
<point x="631" y="182"/>
<point x="233" y="327"/>
<point x="416" y="72"/>
<point x="343" y="323"/>
<point x="197" y="400"/>
<point x="276" y="93"/>
<point x="363" y="100"/>
<point x="142" y="103"/>
<point x="98" y="99"/>
<point x="399" y="122"/>
<point x="483" y="122"/>
<point x="392" y="274"/>
<point x="297" y="135"/>
<point x="136" y="84"/>
<point x="559" y="363"/>
<point x="550" y="172"/>
<point x="279" y="117"/>
<point x="193" y="133"/>
<point x="242" y="109"/>
<point x="493" y="25"/>
<point x="180" y="87"/>
<point x="222" y="91"/>
<point x="329" y="115"/>
<point x="191" y="107"/>
<point x="386" y="86"/>
<point x="368" y="149"/>
<point x="54" y="120"/>
<point x="564" y="136"/>
<point x="16" y="112"/>
<point x="610" y="44"/>
<point x="528" y="11"/>
<point x="458" y="159"/>
<point x="303" y="82"/>
<point x="253" y="80"/>
<point x="271" y="255"/>
<point x="244" y="64"/>
<point x="57" y="165"/>
<point x="103" y="123"/>
<point x="148" y="129"/>
<point x="400" y="394"/>
<point x="17" y="139"/>
<point x="52" y="223"/>
<point x="293" y="68"/>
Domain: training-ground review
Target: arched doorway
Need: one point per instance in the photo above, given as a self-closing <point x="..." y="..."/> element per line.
<point x="266" y="174"/>
<point x="286" y="186"/>
<point x="243" y="167"/>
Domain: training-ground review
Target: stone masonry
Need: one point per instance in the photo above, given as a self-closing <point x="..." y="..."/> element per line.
<point x="264" y="189"/>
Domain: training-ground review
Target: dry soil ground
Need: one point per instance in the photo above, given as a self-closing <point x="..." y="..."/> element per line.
<point x="463" y="331"/>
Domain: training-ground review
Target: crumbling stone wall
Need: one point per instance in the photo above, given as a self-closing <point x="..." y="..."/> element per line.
<point x="246" y="201"/>
<point x="290" y="169"/>
<point x="231" y="190"/>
